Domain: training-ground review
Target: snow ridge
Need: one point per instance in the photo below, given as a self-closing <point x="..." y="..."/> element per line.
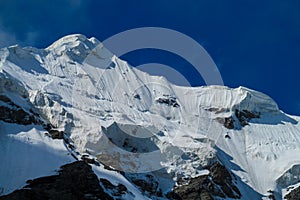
<point x="81" y="88"/>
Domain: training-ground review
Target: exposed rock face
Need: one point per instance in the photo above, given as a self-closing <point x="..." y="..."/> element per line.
<point x="61" y="85"/>
<point x="228" y="122"/>
<point x="55" y="134"/>
<point x="170" y="101"/>
<point x="77" y="181"/>
<point x="12" y="113"/>
<point x="89" y="160"/>
<point x="244" y="116"/>
<point x="148" y="185"/>
<point x="118" y="190"/>
<point x="290" y="177"/>
<point x="293" y="195"/>
<point x="218" y="183"/>
<point x="74" y="181"/>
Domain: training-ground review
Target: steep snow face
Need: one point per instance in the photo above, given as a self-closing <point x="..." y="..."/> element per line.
<point x="76" y="47"/>
<point x="26" y="153"/>
<point x="111" y="109"/>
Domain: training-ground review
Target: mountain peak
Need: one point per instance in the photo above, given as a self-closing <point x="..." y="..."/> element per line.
<point x="73" y="40"/>
<point x="74" y="45"/>
<point x="98" y="109"/>
<point x="256" y="101"/>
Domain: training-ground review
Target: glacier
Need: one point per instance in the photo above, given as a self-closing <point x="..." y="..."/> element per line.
<point x="139" y="124"/>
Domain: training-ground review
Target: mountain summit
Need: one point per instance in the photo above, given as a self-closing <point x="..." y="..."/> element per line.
<point x="74" y="108"/>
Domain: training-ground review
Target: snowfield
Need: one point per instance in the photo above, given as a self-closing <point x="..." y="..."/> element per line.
<point x="26" y="154"/>
<point x="137" y="123"/>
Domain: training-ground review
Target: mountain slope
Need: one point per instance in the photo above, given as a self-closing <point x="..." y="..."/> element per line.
<point x="153" y="131"/>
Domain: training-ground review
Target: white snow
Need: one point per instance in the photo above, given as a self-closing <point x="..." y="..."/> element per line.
<point x="79" y="86"/>
<point x="26" y="153"/>
<point x="116" y="178"/>
<point x="289" y="189"/>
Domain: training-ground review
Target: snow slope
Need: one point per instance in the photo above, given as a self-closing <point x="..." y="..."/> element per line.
<point x="102" y="103"/>
<point x="27" y="154"/>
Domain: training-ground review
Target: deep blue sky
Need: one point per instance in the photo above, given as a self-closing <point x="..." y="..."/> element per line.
<point x="255" y="43"/>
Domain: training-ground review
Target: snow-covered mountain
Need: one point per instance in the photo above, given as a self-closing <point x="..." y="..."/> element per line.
<point x="143" y="137"/>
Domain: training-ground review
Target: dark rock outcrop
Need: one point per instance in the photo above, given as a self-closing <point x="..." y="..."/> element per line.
<point x="170" y="101"/>
<point x="75" y="181"/>
<point x="148" y="185"/>
<point x="244" y="116"/>
<point x="293" y="195"/>
<point x="228" y="122"/>
<point x="137" y="96"/>
<point x="118" y="190"/>
<point x="56" y="134"/>
<point x="89" y="160"/>
<point x="219" y="183"/>
<point x="12" y="113"/>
